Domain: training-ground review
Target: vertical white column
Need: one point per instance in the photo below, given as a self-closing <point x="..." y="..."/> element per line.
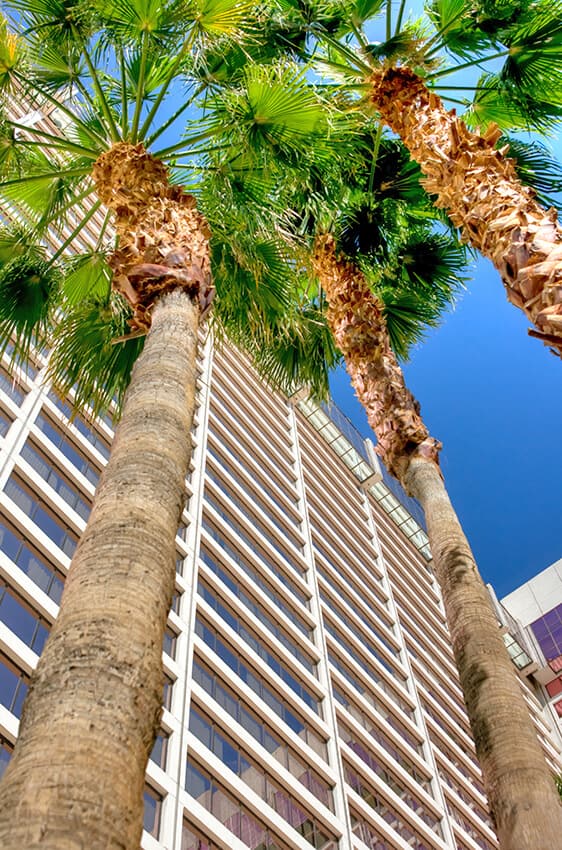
<point x="172" y="818"/>
<point x="446" y="826"/>
<point x="334" y="755"/>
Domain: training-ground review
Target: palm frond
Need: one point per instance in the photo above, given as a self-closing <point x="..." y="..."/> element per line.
<point x="29" y="293"/>
<point x="84" y="356"/>
<point x="537" y="167"/>
<point x="274" y="108"/>
<point x="87" y="278"/>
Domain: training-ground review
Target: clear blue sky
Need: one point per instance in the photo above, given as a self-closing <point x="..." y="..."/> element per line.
<point x="493" y="396"/>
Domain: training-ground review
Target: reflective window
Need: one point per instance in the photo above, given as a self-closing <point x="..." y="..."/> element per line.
<point x="256" y="523"/>
<point x="170" y="641"/>
<point x="263" y="733"/>
<point x="239" y="591"/>
<point x="258" y="577"/>
<point x="41" y="514"/>
<point x="249" y="541"/>
<point x="373" y="701"/>
<point x="13" y="685"/>
<point x="69" y="449"/>
<point x="283" y="709"/>
<point x="463" y="822"/>
<point x="374" y="799"/>
<point x="372" y="673"/>
<point x="383" y="772"/>
<point x="5" y="423"/>
<point x="14" y="544"/>
<point x="160" y="749"/>
<point x="194" y="839"/>
<point x="18" y="616"/>
<point x="60" y="483"/>
<point x="12" y="387"/>
<point x="167" y="693"/>
<point x="87" y="429"/>
<point x="152" y="811"/>
<point x="255" y="642"/>
<point x="376" y="732"/>
<point x="211" y="794"/>
<point x="252" y="492"/>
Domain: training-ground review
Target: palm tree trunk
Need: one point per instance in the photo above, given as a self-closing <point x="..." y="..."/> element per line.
<point x="77" y="773"/>
<point x="523" y="801"/>
<point x="480" y="190"/>
<point x="521" y="792"/>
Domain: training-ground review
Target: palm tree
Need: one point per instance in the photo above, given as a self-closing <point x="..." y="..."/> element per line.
<point x="389" y="274"/>
<point x="106" y="73"/>
<point x="518" y="47"/>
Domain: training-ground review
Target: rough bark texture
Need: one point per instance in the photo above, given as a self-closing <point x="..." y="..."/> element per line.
<point x="523" y="800"/>
<point x="479" y="188"/>
<point x="356" y="318"/>
<point x="163" y="241"/>
<point x="76" y="777"/>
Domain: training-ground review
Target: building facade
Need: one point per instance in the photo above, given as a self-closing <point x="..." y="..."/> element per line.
<point x="310" y="694"/>
<point x="536" y="608"/>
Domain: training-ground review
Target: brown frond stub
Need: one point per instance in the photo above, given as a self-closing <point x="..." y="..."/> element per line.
<point x="163" y="241"/>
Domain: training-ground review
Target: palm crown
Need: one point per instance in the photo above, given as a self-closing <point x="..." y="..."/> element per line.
<point x="91" y="77"/>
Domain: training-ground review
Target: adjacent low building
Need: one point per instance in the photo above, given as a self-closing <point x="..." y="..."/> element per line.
<point x="536" y="607"/>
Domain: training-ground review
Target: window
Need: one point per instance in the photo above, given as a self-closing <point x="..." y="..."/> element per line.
<point x="5" y="754"/>
<point x="30" y="561"/>
<point x="152" y="811"/>
<point x="170" y="641"/>
<point x="12" y="387"/>
<point x="42" y="515"/>
<point x="13" y="685"/>
<point x="68" y="448"/>
<point x="20" y="617"/>
<point x="256" y="643"/>
<point x="246" y="826"/>
<point x="5" y="423"/>
<point x="59" y="482"/>
<point x="160" y="749"/>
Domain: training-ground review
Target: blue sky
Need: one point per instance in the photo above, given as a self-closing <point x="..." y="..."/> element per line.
<point x="493" y="396"/>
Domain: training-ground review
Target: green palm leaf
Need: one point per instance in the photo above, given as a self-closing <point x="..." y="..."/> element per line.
<point x="28" y="295"/>
<point x="85" y="357"/>
<point x="87" y="278"/>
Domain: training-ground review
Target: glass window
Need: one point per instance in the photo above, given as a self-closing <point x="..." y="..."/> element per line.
<point x="42" y="515"/>
<point x="160" y="749"/>
<point x="12" y="387"/>
<point x="193" y="839"/>
<point x="13" y="685"/>
<point x="45" y="576"/>
<point x="5" y="423"/>
<point x="167" y="695"/>
<point x="152" y="811"/>
<point x="170" y="641"/>
<point x="5" y="754"/>
<point x="18" y="616"/>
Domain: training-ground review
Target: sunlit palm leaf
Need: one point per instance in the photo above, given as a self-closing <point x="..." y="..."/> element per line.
<point x="87" y="278"/>
<point x="537" y="167"/>
<point x="221" y="17"/>
<point x="85" y="357"/>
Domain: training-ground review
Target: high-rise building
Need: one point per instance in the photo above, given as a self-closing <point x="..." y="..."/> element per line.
<point x="310" y="697"/>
